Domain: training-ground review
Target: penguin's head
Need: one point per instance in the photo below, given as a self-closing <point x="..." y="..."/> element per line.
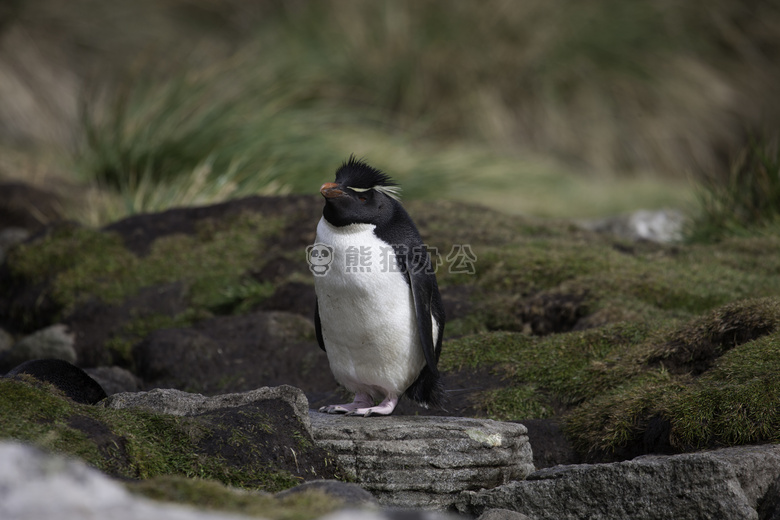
<point x="361" y="195"/>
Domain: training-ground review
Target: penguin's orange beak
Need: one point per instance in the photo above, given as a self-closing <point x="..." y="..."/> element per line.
<point x="331" y="190"/>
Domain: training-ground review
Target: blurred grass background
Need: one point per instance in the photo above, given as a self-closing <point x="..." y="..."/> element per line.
<point x="556" y="108"/>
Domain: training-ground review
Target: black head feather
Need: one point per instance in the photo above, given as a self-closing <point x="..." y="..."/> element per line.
<point x="356" y="173"/>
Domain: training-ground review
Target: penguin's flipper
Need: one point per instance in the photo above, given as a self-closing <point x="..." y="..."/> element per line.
<point x="318" y="325"/>
<point x="422" y="292"/>
<point x="427" y="303"/>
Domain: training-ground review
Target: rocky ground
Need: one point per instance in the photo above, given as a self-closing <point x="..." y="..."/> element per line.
<point x="604" y="348"/>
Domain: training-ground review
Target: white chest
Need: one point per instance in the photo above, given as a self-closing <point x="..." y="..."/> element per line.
<point x="367" y="312"/>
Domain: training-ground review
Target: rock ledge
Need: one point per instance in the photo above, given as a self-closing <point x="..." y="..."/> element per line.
<point x="424" y="462"/>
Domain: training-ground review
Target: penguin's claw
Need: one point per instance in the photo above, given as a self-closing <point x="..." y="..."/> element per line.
<point x="386" y="407"/>
<point x="334" y="408"/>
<point x="361" y="402"/>
<point x="358" y="407"/>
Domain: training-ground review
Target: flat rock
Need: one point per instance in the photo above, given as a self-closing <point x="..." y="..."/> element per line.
<point x="424" y="461"/>
<point x="175" y="402"/>
<point x="729" y="483"/>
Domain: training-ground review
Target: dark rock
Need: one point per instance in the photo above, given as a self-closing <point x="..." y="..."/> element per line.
<point x="351" y="494"/>
<point x="180" y="358"/>
<point x="70" y="379"/>
<point x="94" y="322"/>
<point x="115" y="380"/>
<point x="550" y="445"/>
<point x="235" y="353"/>
<point x="140" y="231"/>
<point x="27" y="207"/>
<point x="769" y="508"/>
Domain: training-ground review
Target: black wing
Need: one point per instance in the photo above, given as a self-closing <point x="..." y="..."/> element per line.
<point x="428" y="305"/>
<point x="317" y="324"/>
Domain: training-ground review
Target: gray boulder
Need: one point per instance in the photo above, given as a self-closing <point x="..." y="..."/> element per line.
<point x="115" y="380"/>
<point x="729" y="483"/>
<point x="73" y="491"/>
<point x="423" y="462"/>
<point x="54" y="342"/>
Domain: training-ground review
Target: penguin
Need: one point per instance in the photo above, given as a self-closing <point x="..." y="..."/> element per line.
<point x="378" y="313"/>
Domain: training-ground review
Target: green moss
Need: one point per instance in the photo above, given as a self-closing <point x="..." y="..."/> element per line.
<point x="721" y="386"/>
<point x="570" y="367"/>
<point x="737" y="402"/>
<point x="525" y="401"/>
<point x="208" y="494"/>
<point x="714" y="378"/>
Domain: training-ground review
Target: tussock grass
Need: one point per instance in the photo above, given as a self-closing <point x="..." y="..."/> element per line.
<point x="273" y="97"/>
<point x="748" y="202"/>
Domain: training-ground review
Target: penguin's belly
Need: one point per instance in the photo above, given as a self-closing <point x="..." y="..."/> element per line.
<point x="367" y="316"/>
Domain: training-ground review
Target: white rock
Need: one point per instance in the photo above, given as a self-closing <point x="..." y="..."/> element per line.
<point x="35" y="486"/>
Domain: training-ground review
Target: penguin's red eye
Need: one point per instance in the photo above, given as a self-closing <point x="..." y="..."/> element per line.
<point x="362" y="199"/>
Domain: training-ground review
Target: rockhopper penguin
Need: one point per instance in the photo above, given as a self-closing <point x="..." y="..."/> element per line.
<point x="378" y="313"/>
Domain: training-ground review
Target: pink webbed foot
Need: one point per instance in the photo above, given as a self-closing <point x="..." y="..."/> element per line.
<point x="386" y="407"/>
<point x="361" y="401"/>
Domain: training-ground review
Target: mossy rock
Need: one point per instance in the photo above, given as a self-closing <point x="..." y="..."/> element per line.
<point x="260" y="445"/>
